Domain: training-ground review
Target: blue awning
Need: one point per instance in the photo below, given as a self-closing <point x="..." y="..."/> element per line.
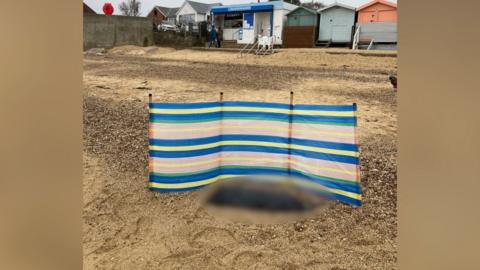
<point x="242" y="8"/>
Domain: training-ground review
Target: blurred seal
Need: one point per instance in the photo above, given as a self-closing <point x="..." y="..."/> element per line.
<point x="261" y="199"/>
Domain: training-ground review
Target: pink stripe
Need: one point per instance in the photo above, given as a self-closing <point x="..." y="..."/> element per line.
<point x="179" y="135"/>
<point x="279" y="164"/>
<point x="253" y="122"/>
<point x="234" y="154"/>
<point x="169" y="165"/>
<point x="333" y="128"/>
<point x="248" y="131"/>
<point x="183" y="131"/>
<point x="314" y="165"/>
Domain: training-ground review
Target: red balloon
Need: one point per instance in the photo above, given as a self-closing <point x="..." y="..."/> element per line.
<point x="108" y="8"/>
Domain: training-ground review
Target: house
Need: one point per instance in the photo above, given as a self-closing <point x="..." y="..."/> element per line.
<point x="301" y="28"/>
<point x="244" y="22"/>
<point x="337" y="22"/>
<point x="87" y="9"/>
<point x="194" y="12"/>
<point x="377" y="24"/>
<point x="160" y="14"/>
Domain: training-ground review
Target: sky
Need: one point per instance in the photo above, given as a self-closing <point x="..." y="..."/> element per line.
<point x="147" y="5"/>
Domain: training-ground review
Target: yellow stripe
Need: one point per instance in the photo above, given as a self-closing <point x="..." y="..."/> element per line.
<point x="271" y="144"/>
<point x="220" y="177"/>
<point x="216" y="160"/>
<point x="340" y="134"/>
<point x="251" y="109"/>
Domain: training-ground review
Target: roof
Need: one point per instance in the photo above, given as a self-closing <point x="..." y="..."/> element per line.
<point x="286" y="5"/>
<point x="202" y="7"/>
<point x="167" y="11"/>
<point x="305" y="8"/>
<point x="336" y="5"/>
<point x="87" y="9"/>
<point x="261" y="6"/>
<point x="377" y="2"/>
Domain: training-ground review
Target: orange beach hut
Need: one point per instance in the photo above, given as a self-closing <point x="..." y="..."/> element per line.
<point x="376" y="26"/>
<point x="377" y="11"/>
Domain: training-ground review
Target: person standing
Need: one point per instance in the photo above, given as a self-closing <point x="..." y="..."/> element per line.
<point x="213" y="37"/>
<point x="219" y="37"/>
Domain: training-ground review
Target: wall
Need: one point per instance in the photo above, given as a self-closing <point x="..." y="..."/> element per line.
<point x="301" y="17"/>
<point x="101" y="31"/>
<point x="385" y="32"/>
<point x="178" y="40"/>
<point x="299" y="36"/>
<point x="279" y="19"/>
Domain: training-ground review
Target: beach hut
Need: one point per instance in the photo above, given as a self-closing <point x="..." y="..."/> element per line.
<point x="337" y="22"/>
<point x="377" y="24"/>
<point x="301" y="28"/>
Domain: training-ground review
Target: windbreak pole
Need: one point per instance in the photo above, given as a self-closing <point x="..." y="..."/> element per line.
<point x="150" y="163"/>
<point x="290" y="123"/>
<point x="220" y="161"/>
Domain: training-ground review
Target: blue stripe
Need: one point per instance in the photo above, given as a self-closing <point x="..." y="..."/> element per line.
<point x="355" y="188"/>
<point x="213" y="139"/>
<point x="196" y="116"/>
<point x="184" y="142"/>
<point x="218" y="115"/>
<point x="264" y="115"/>
<point x="197" y="105"/>
<point x="253" y="148"/>
<point x="184" y="178"/>
<point x="181" y="154"/>
<point x="176" y="189"/>
<point x="324" y="144"/>
<point x="254" y="7"/>
<point x="320" y="118"/>
<point x="260" y="138"/>
<point x="323" y="156"/>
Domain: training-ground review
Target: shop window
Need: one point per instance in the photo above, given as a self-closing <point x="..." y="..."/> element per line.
<point x="233" y="20"/>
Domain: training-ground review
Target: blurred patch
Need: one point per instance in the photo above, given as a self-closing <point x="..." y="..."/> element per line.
<point x="261" y="199"/>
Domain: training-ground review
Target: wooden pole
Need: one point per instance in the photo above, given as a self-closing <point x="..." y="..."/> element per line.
<point x="221" y="96"/>
<point x="290" y="120"/>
